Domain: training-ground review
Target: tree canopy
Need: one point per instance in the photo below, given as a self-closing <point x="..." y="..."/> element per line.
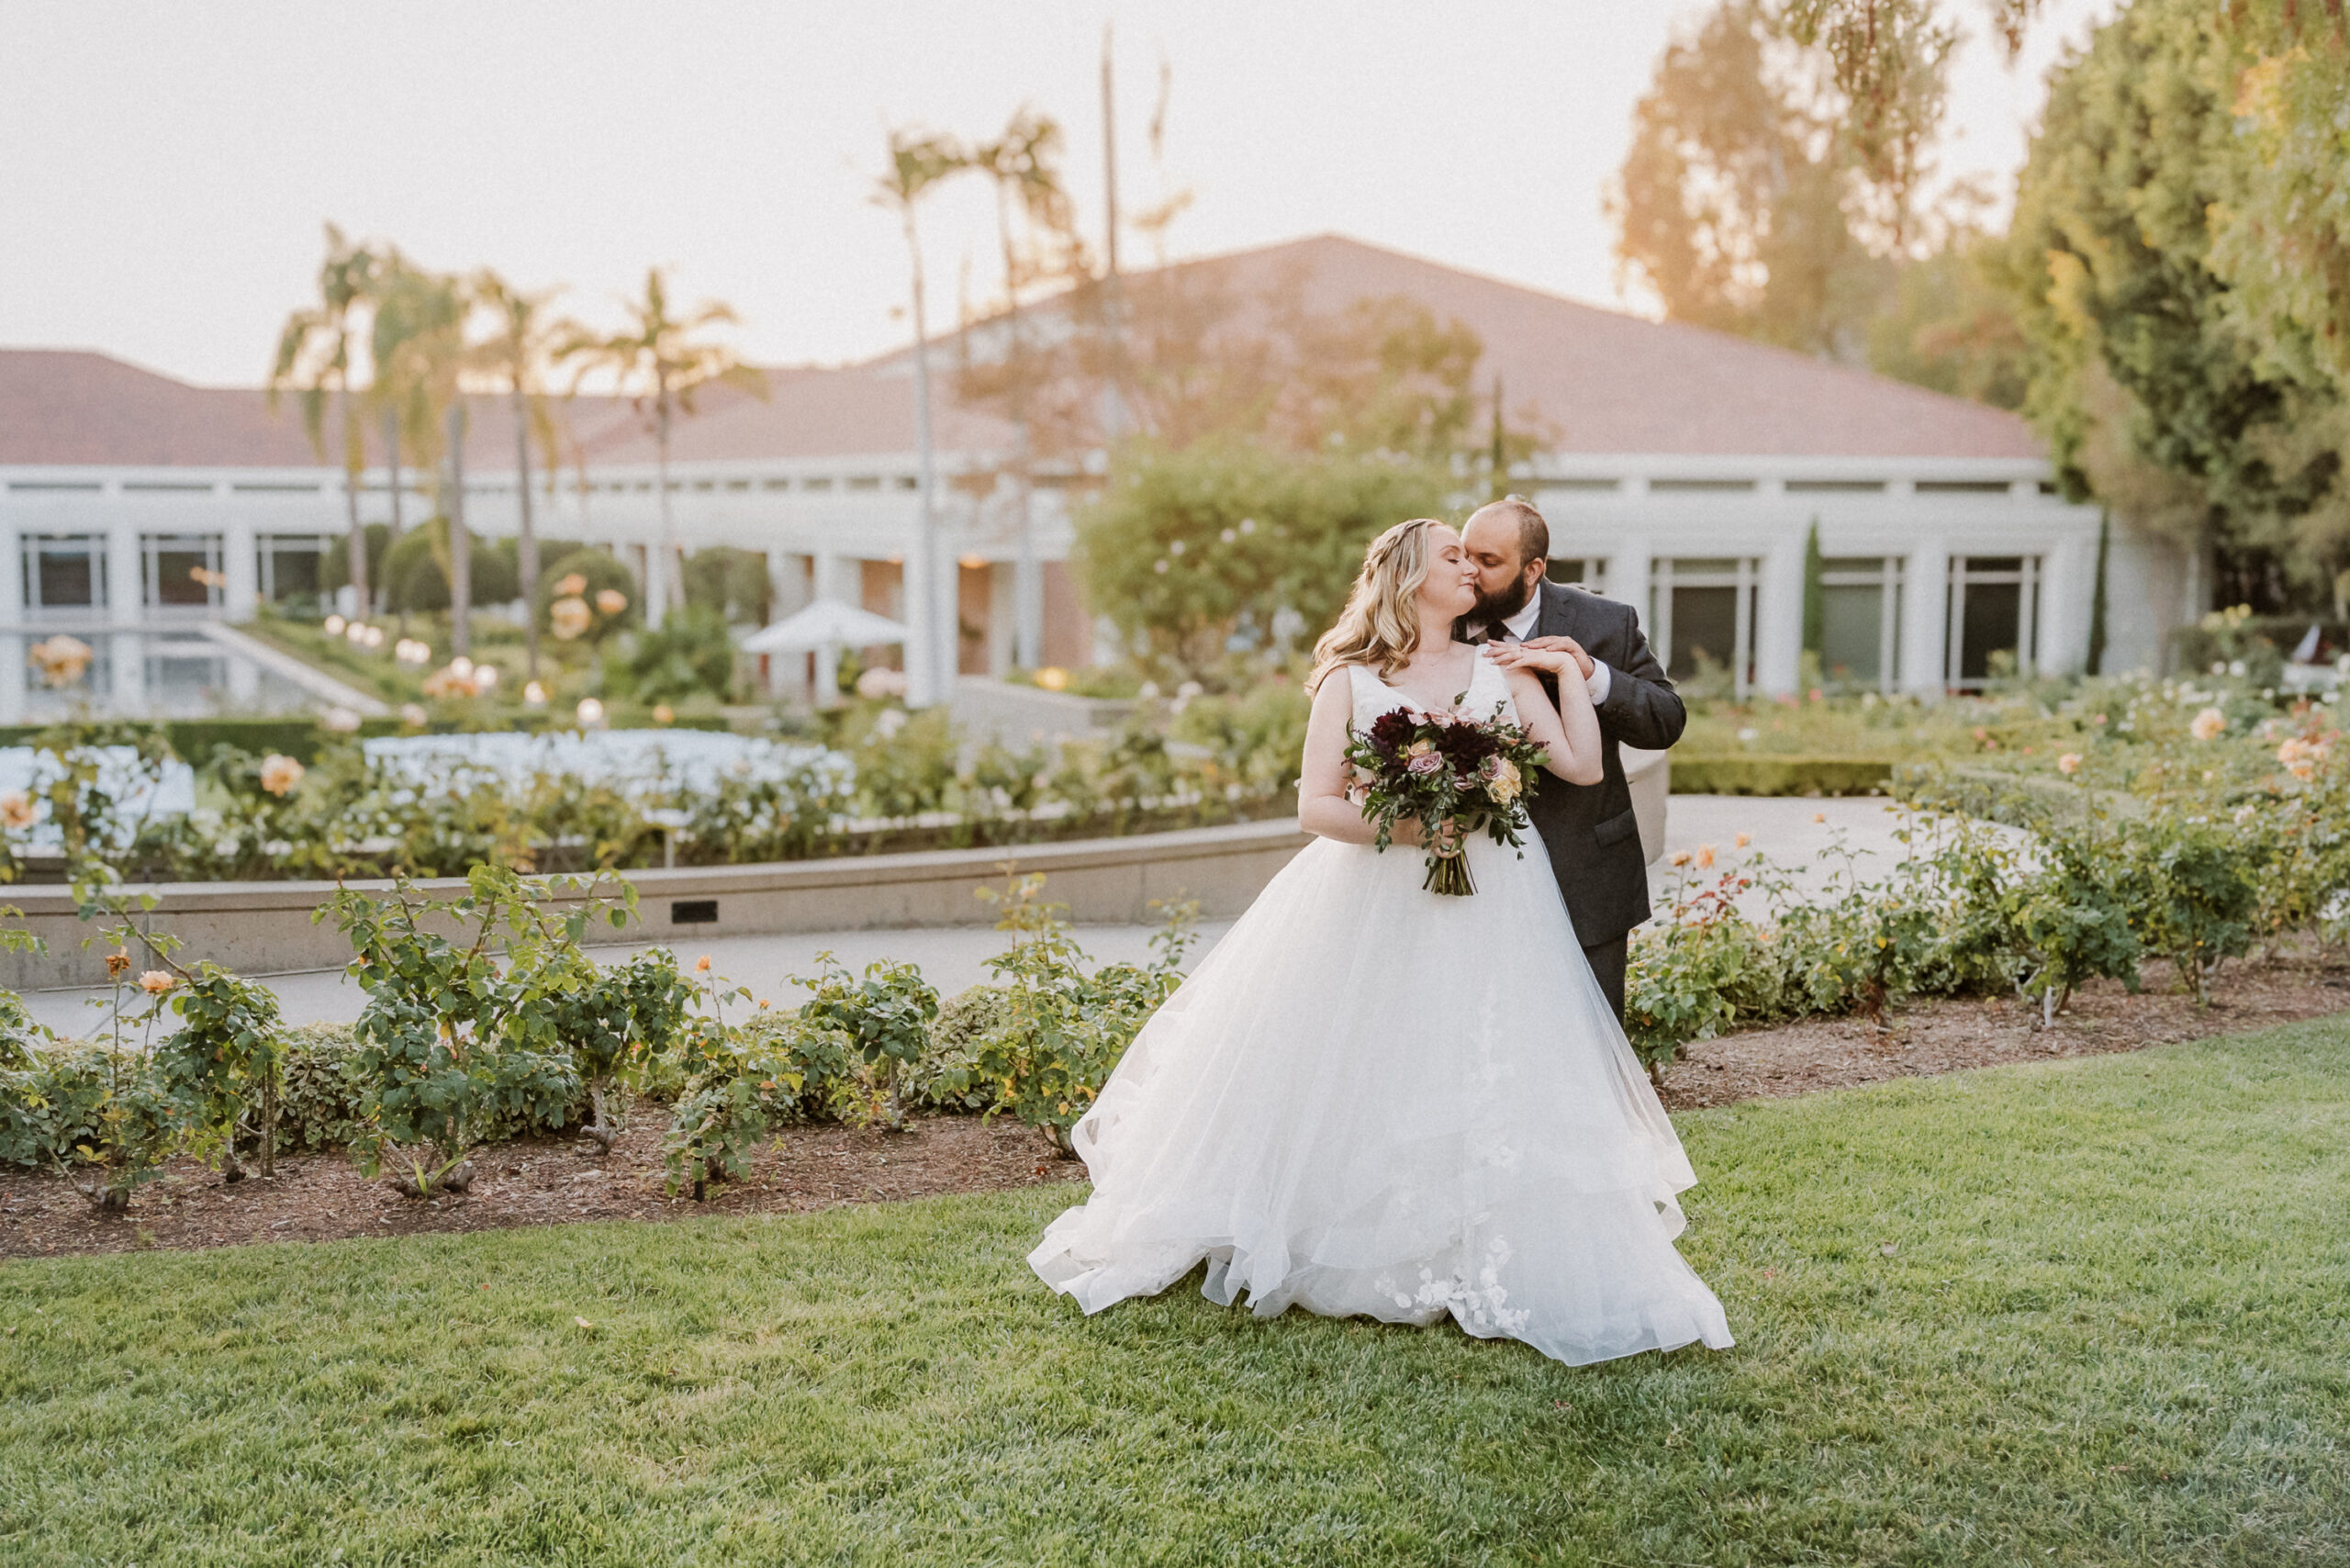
<point x="2178" y="363"/>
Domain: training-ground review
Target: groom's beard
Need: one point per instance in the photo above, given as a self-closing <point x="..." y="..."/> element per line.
<point x="1492" y="610"/>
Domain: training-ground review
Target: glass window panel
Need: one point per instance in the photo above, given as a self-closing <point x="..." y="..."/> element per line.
<point x="1976" y="565"/>
<point x="66" y="573"/>
<point x="294" y="571"/>
<point x="1989" y="625"/>
<point x="1705" y="629"/>
<point x="180" y="577"/>
<point x="1707" y="566"/>
<point x="1852" y="635"/>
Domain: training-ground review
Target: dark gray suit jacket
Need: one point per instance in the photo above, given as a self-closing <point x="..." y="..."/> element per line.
<point x="1589" y="829"/>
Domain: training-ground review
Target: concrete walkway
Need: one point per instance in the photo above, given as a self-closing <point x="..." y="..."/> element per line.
<point x="955" y="957"/>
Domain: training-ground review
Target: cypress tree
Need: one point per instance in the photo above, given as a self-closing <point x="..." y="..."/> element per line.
<point x="2097" y="595"/>
<point x="1814" y="595"/>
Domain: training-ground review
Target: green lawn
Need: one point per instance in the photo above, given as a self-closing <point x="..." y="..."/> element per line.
<point x="2089" y="1312"/>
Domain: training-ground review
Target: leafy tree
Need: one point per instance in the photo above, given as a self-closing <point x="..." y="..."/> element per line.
<point x="732" y="582"/>
<point x="1947" y="325"/>
<point x="314" y="358"/>
<point x="1024" y="164"/>
<point x="521" y="343"/>
<point x="1187" y="547"/>
<point x="2143" y="377"/>
<point x="919" y="162"/>
<point x="690" y="654"/>
<point x="416" y="577"/>
<point x="1739" y="203"/>
<point x="660" y="361"/>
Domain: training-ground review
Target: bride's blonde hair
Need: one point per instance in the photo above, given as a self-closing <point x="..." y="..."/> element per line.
<point x="1381" y="625"/>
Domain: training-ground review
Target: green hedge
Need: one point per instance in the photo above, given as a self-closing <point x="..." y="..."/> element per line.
<point x="1751" y="775"/>
<point x="195" y="740"/>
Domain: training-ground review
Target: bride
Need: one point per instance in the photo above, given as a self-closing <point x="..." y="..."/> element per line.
<point x="1375" y="1101"/>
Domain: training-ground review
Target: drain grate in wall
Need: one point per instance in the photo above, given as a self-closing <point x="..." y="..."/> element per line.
<point x="693" y="912"/>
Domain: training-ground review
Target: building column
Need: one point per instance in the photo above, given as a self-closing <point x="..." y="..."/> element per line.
<point x="129" y="651"/>
<point x="126" y="577"/>
<point x="1007" y="634"/>
<point x="12" y="576"/>
<point x="1778" y="618"/>
<point x="240" y="565"/>
<point x="2060" y="637"/>
<point x="1925" y="618"/>
<point x="833" y="577"/>
<point x="13" y="673"/>
<point x="1627" y="579"/>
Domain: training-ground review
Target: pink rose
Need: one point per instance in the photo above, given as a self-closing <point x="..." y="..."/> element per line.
<point x="1428" y="762"/>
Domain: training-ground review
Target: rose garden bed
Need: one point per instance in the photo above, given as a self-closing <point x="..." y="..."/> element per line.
<point x="550" y="1180"/>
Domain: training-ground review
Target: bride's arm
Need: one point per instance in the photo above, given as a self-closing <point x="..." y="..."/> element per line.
<point x="1323" y="806"/>
<point x="1570" y="732"/>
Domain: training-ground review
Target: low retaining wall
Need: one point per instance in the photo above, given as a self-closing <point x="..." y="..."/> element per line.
<point x="259" y="928"/>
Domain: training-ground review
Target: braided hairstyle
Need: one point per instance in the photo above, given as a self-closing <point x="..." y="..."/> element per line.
<point x="1381" y="625"/>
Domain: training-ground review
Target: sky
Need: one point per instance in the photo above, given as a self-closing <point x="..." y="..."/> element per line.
<point x="165" y="168"/>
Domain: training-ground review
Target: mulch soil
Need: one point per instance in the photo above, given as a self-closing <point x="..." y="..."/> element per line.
<point x="322" y="1196"/>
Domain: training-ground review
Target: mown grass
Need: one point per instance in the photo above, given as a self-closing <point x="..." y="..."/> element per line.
<point x="2086" y="1312"/>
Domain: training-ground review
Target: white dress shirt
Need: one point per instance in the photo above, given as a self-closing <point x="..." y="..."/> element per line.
<point x="1520" y="626"/>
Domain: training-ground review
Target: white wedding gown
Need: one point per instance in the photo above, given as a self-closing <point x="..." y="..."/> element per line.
<point x="1375" y="1101"/>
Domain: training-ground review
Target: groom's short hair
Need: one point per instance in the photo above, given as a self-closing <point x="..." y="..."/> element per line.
<point x="1533" y="533"/>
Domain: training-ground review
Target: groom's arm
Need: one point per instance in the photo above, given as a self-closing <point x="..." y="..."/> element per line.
<point x="1641" y="708"/>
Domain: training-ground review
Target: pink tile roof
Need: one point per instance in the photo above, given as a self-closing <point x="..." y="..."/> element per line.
<point x="1603" y="381"/>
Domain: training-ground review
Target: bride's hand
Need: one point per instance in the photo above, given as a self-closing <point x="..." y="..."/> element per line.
<point x="1556" y="655"/>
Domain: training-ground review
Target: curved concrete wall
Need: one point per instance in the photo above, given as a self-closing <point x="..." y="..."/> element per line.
<point x="263" y="928"/>
<point x="259" y="928"/>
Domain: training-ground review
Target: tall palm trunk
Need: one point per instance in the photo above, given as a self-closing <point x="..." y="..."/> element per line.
<point x="461" y="539"/>
<point x="1028" y="588"/>
<point x="392" y="466"/>
<point x="526" y="544"/>
<point x="351" y="510"/>
<point x="667" y="591"/>
<point x="927" y="680"/>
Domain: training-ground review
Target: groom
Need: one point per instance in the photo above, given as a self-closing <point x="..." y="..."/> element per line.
<point x="1592" y="837"/>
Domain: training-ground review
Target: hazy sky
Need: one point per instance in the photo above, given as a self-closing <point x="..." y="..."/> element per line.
<point x="164" y="167"/>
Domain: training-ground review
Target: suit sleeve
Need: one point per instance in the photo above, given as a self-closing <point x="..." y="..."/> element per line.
<point x="1642" y="709"/>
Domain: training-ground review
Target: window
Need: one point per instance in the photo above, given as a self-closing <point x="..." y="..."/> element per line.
<point x="1861" y="630"/>
<point x="865" y="482"/>
<point x="820" y="483"/>
<point x="1699" y="487"/>
<point x="1575" y="487"/>
<point x="1584" y="571"/>
<point x="1961" y="486"/>
<point x="292" y="566"/>
<point x="65" y="571"/>
<point x="1994" y="606"/>
<point x="182" y="571"/>
<point x="1835" y="487"/>
<point x="1702" y="609"/>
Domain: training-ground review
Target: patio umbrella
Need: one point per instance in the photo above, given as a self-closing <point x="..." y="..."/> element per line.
<point x="827" y="623"/>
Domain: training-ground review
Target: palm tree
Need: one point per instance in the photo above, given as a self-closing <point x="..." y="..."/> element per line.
<point x="314" y="358"/>
<point x="1024" y="164"/>
<point x="419" y="347"/>
<point x="659" y="356"/>
<point x="522" y="344"/>
<point x="917" y="161"/>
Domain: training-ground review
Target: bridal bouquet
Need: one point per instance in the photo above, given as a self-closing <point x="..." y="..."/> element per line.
<point x="1450" y="770"/>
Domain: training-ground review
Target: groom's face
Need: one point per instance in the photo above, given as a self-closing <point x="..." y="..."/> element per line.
<point x="1503" y="578"/>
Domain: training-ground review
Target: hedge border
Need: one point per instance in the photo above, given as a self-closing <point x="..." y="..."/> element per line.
<point x="1789" y="775"/>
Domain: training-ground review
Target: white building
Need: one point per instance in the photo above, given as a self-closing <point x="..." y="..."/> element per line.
<point x="1681" y="469"/>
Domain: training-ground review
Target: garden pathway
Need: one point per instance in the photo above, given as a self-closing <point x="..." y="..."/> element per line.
<point x="955" y="957"/>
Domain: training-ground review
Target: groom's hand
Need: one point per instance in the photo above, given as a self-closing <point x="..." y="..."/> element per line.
<point x="1561" y="645"/>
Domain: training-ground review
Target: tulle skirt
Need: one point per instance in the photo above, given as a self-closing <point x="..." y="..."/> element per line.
<point x="1369" y="1100"/>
